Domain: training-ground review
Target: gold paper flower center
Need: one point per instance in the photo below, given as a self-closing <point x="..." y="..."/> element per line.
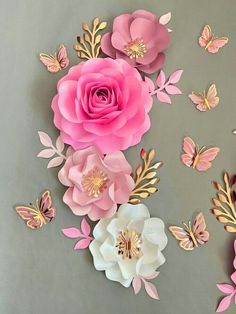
<point x="135" y="48"/>
<point x="128" y="243"/>
<point x="94" y="182"/>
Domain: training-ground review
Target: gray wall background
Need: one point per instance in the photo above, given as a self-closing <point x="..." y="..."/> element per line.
<point x="39" y="271"/>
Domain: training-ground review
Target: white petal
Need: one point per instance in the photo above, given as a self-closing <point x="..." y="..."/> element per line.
<point x="100" y="230"/>
<point x="150" y="252"/>
<point x="115" y="226"/>
<point x="148" y="269"/>
<point x="154" y="231"/>
<point x="133" y="212"/>
<point x="98" y="260"/>
<point x="128" y="268"/>
<point x="108" y="251"/>
<point x="114" y="274"/>
<point x="136" y="225"/>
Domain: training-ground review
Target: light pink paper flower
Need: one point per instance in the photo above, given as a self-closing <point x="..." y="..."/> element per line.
<point x="102" y="102"/>
<point x="97" y="183"/>
<point x="139" y="38"/>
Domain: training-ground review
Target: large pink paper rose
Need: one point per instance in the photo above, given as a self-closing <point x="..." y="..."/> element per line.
<point x="102" y="102"/>
<point x="97" y="183"/>
<point x="139" y="39"/>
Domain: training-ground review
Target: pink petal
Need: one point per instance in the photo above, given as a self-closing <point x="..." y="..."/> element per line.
<point x="82" y="244"/>
<point x="154" y="275"/>
<point x="85" y="227"/>
<point x="45" y="139"/>
<point x="161" y="79"/>
<point x="106" y="45"/>
<point x="71" y="232"/>
<point x="136" y="283"/>
<point x="46" y="153"/>
<point x="226" y="288"/>
<point x="60" y="144"/>
<point x="235" y="254"/>
<point x="55" y="162"/>
<point x="163" y="97"/>
<point x="151" y="86"/>
<point x="175" y="77"/>
<point x="173" y="90"/>
<point x="151" y="290"/>
<point x="224" y="304"/>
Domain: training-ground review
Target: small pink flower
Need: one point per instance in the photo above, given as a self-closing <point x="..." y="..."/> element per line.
<point x="102" y="103"/>
<point x="97" y="183"/>
<point x="139" y="38"/>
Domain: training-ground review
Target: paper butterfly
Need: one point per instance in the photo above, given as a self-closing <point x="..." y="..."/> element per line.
<point x="40" y="214"/>
<point x="197" y="158"/>
<point x="211" y="44"/>
<point x="206" y="101"/>
<point x="191" y="237"/>
<point x="57" y="62"/>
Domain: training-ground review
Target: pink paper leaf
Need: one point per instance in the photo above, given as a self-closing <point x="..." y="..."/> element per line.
<point x="136" y="283"/>
<point x="82" y="244"/>
<point x="85" y="227"/>
<point x="233" y="277"/>
<point x="175" y="76"/>
<point x="71" y="232"/>
<point x="161" y="79"/>
<point x="150" y="84"/>
<point x="173" y="90"/>
<point x="60" y="144"/>
<point x="224" y="304"/>
<point x="151" y="290"/>
<point x="55" y="162"/>
<point x="165" y="18"/>
<point x="46" y="153"/>
<point x="226" y="288"/>
<point x="45" y="139"/>
<point x="154" y="275"/>
<point x="163" y="97"/>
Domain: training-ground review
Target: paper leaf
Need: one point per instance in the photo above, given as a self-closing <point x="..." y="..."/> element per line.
<point x="165" y="18"/>
<point x="45" y="139"/>
<point x="82" y="244"/>
<point x="46" y="153"/>
<point x="60" y="144"/>
<point x="234" y="131"/>
<point x="136" y="283"/>
<point x="225" y="288"/>
<point x="173" y="90"/>
<point x="161" y="79"/>
<point x="224" y="304"/>
<point x="55" y="162"/>
<point x="85" y="227"/>
<point x="175" y="76"/>
<point x="150" y="84"/>
<point x="71" y="232"/>
<point x="233" y="277"/>
<point x="151" y="290"/>
<point x="153" y="276"/>
<point x="163" y="97"/>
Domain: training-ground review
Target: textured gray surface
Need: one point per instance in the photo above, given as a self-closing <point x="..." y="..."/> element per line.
<point x="39" y="271"/>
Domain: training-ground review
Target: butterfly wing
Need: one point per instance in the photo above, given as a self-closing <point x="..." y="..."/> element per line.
<point x="189" y="149"/>
<point x="45" y="206"/>
<point x="62" y="57"/>
<point x="31" y="216"/>
<point x="217" y="43"/>
<point x="205" y="37"/>
<point x="198" y="100"/>
<point x="50" y="62"/>
<point x="211" y="96"/>
<point x="205" y="158"/>
<point x="199" y="229"/>
<point x="183" y="236"/>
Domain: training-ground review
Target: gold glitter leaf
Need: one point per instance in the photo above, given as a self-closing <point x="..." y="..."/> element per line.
<point x="90" y="47"/>
<point x="230" y="229"/>
<point x="216" y="212"/>
<point x="134" y="201"/>
<point x="223" y="219"/>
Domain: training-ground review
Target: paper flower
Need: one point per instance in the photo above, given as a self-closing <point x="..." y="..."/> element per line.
<point x="102" y="102"/>
<point x="96" y="183"/>
<point x="139" y="38"/>
<point x="128" y="245"/>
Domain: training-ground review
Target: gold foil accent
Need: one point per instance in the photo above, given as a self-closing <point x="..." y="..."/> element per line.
<point x="135" y="49"/>
<point x="128" y="243"/>
<point x="94" y="182"/>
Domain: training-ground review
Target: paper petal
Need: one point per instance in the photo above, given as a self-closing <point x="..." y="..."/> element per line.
<point x="154" y="275"/>
<point x="71" y="232"/>
<point x="226" y="288"/>
<point x="46" y="153"/>
<point x="235" y="254"/>
<point x="136" y="283"/>
<point x="150" y="84"/>
<point x="45" y="139"/>
<point x="55" y="162"/>
<point x="165" y="18"/>
<point x="163" y="97"/>
<point x="161" y="79"/>
<point x="82" y="244"/>
<point x="151" y="290"/>
<point x="234" y="131"/>
<point x="224" y="304"/>
<point x="173" y="90"/>
<point x="85" y="227"/>
<point x="60" y="144"/>
<point x="175" y="77"/>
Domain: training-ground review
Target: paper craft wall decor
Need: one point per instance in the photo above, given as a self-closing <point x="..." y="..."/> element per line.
<point x="205" y="101"/>
<point x="209" y="42"/>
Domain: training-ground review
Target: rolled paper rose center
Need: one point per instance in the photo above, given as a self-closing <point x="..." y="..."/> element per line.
<point x="94" y="182"/>
<point x="135" y="48"/>
<point x="128" y="243"/>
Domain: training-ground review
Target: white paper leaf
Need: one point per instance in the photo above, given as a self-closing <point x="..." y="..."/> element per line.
<point x="46" y="153"/>
<point x="55" y="162"/>
<point x="45" y="139"/>
<point x="60" y="144"/>
<point x="165" y="18"/>
<point x="234" y="131"/>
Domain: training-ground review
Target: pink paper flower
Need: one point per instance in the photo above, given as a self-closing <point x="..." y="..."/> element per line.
<point x="102" y="102"/>
<point x="97" y="183"/>
<point x="139" y="38"/>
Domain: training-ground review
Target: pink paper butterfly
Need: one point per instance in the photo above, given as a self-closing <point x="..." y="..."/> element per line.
<point x="40" y="214"/>
<point x="57" y="62"/>
<point x="228" y="289"/>
<point x="191" y="237"/>
<point x="206" y="101"/>
<point x="211" y="44"/>
<point x="198" y="158"/>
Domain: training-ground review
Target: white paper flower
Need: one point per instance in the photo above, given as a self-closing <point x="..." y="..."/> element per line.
<point x="129" y="244"/>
